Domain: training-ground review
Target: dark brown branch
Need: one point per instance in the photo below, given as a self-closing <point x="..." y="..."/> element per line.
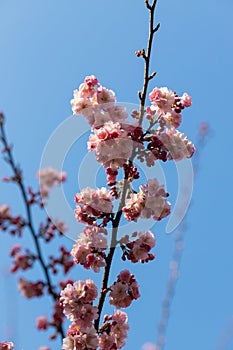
<point x="19" y="180"/>
<point x="115" y="223"/>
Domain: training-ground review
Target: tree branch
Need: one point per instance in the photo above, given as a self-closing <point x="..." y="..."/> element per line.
<point x="19" y="180"/>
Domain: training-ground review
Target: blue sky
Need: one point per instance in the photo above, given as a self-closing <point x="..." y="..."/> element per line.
<point x="47" y="48"/>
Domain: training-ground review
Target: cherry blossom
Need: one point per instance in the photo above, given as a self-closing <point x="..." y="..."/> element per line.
<point x="77" y="302"/>
<point x="89" y="248"/>
<point x="6" y="345"/>
<point x="42" y="323"/>
<point x="5" y="211"/>
<point x="114" y="331"/>
<point x="80" y="339"/>
<point x="95" y="204"/>
<point x="124" y="290"/>
<point x="49" y="178"/>
<point x="138" y="249"/>
<point x="177" y="144"/>
<point x="29" y="289"/>
<point x="149" y="202"/>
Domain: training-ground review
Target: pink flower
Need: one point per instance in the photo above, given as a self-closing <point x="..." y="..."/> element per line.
<point x="6" y="345"/>
<point x="5" y="212"/>
<point x="167" y="105"/>
<point x="114" y="337"/>
<point x="77" y="302"/>
<point x="42" y="323"/>
<point x="105" y="96"/>
<point x="163" y="99"/>
<point x="88" y="249"/>
<point x="186" y="100"/>
<point x="30" y="289"/>
<point x="94" y="204"/>
<point x="177" y="144"/>
<point x="80" y="339"/>
<point x="149" y="202"/>
<point x="111" y="143"/>
<point x="124" y="290"/>
<point x="49" y="178"/>
<point x="138" y="250"/>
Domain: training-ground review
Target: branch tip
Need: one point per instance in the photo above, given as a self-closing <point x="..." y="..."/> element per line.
<point x="147" y="4"/>
<point x="153" y="74"/>
<point x="2" y="118"/>
<point x="156" y="28"/>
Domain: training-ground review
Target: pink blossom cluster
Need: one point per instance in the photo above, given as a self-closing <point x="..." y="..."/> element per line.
<point x="167" y="105"/>
<point x="5" y="345"/>
<point x="77" y="301"/>
<point x="138" y="249"/>
<point x="14" y="224"/>
<point x="149" y="202"/>
<point x="88" y="249"/>
<point x="96" y="103"/>
<point x="49" y="178"/>
<point x="124" y="290"/>
<point x="80" y="339"/>
<point x="42" y="323"/>
<point x="177" y="144"/>
<point x="21" y="261"/>
<point x="29" y="289"/>
<point x="111" y="144"/>
<point x="114" y="331"/>
<point x="95" y="204"/>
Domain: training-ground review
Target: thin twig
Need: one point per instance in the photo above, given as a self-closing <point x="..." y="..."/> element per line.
<point x="19" y="180"/>
<point x="147" y="58"/>
<point x="115" y="223"/>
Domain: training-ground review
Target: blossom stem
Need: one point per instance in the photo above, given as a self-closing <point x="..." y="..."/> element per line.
<point x="147" y="58"/>
<point x="116" y="220"/>
<point x="19" y="180"/>
<point x="109" y="258"/>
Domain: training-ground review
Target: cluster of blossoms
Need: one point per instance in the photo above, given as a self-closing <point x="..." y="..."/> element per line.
<point x="111" y="335"/>
<point x="49" y="178"/>
<point x="21" y="261"/>
<point x="77" y="301"/>
<point x="13" y="224"/>
<point x="114" y="331"/>
<point x="111" y="144"/>
<point x="116" y="143"/>
<point x="124" y="290"/>
<point x="95" y="204"/>
<point x="138" y="249"/>
<point x="167" y="105"/>
<point x="29" y="289"/>
<point x="149" y="202"/>
<point x="89" y="248"/>
<point x="96" y="103"/>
